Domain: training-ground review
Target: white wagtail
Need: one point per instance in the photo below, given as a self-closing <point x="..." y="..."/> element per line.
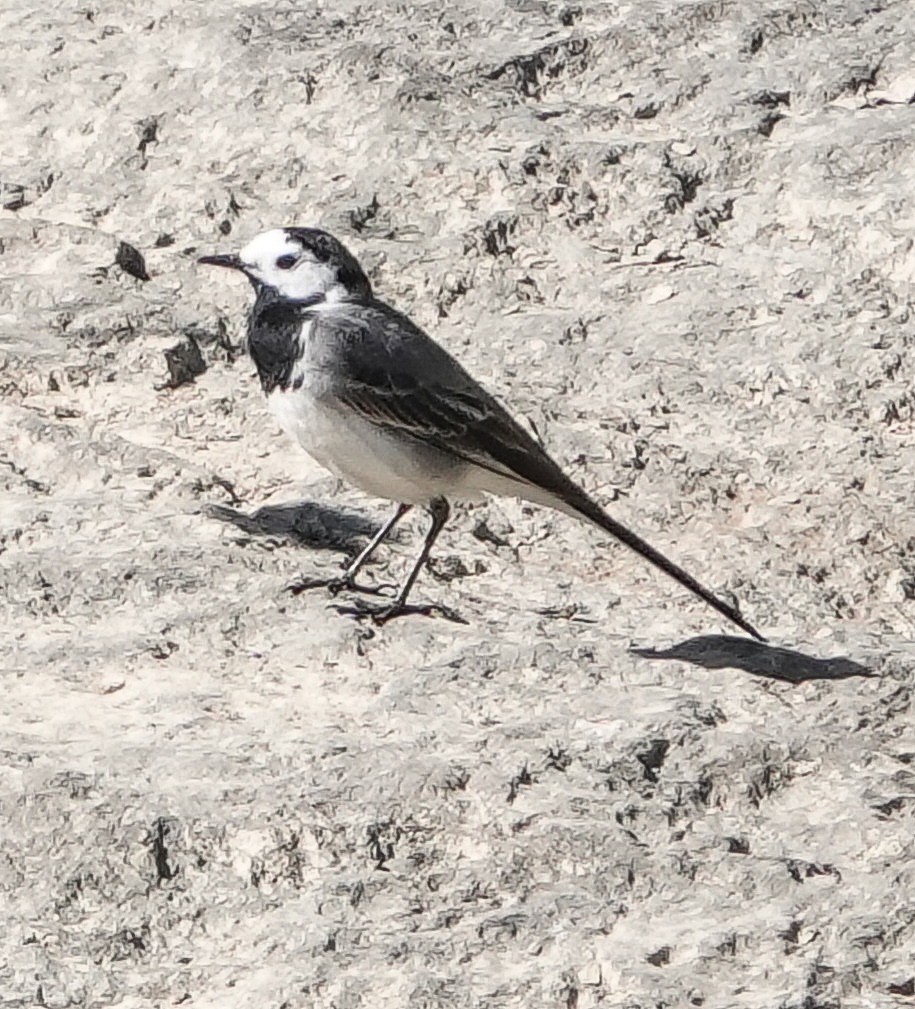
<point x="375" y="400"/>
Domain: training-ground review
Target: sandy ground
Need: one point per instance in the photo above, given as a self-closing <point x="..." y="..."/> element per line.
<point x="678" y="238"/>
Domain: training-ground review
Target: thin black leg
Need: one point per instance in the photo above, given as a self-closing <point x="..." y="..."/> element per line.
<point x="348" y="579"/>
<point x="440" y="511"/>
<point x="350" y="574"/>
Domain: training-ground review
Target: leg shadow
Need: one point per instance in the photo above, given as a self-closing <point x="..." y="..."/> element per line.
<point x="721" y="651"/>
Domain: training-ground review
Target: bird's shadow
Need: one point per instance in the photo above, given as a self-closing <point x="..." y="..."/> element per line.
<point x="722" y="651"/>
<point x="303" y="522"/>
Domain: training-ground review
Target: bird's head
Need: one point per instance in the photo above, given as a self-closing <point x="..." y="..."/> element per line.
<point x="303" y="265"/>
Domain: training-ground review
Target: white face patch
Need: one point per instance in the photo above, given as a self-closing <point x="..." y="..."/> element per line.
<point x="280" y="262"/>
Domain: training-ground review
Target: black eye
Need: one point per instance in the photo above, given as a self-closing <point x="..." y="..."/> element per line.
<point x="286" y="262"/>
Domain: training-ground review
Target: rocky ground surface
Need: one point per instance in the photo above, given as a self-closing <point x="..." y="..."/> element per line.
<point x="676" y="237"/>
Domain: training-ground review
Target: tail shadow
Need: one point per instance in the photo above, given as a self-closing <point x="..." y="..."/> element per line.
<point x="722" y="651"/>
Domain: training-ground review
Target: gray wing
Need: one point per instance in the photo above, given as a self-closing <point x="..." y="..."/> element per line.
<point x="393" y="375"/>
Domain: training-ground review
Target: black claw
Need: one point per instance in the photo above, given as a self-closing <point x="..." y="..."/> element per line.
<point x="337" y="585"/>
<point x="380" y="615"/>
<point x="305" y="584"/>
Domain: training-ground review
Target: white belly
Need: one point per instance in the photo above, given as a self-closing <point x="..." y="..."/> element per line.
<point x="358" y="452"/>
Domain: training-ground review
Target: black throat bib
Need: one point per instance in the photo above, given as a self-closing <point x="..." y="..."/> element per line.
<point x="274" y="336"/>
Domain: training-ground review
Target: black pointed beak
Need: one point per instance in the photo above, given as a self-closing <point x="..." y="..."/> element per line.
<point x="230" y="261"/>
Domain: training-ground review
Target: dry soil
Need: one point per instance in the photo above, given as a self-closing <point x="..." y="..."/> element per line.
<point x="678" y="239"/>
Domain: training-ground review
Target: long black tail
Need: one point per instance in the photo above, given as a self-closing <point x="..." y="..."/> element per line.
<point x="592" y="511"/>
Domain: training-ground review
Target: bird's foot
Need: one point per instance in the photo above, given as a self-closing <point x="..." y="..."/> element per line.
<point x="337" y="585"/>
<point x="380" y="615"/>
<point x="333" y="585"/>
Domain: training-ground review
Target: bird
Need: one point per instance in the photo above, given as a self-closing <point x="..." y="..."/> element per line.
<point x="376" y="401"/>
